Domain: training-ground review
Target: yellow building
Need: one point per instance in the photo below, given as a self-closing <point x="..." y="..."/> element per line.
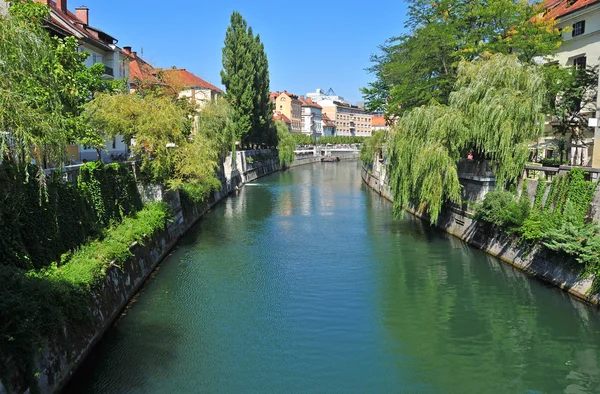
<point x="349" y="119"/>
<point x="289" y="105"/>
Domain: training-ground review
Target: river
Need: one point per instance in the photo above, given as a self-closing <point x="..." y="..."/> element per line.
<point x="305" y="283"/>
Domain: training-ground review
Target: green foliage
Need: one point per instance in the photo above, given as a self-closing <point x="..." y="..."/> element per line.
<point x="303" y="139"/>
<point x="555" y="162"/>
<point x="286" y="144"/>
<point x="570" y="91"/>
<point x="501" y="209"/>
<point x="43" y="87"/>
<point x="245" y="75"/>
<point x="371" y="146"/>
<point x="494" y="112"/>
<point x="110" y="190"/>
<point x="340" y="140"/>
<point x="414" y="69"/>
<point x="40" y="304"/>
<point x="559" y="225"/>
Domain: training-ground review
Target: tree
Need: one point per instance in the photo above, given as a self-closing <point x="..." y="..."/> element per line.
<point x="245" y="75"/>
<point x="494" y="112"/>
<point x="286" y="144"/>
<point x="43" y="88"/>
<point x="238" y="74"/>
<point x="570" y="91"/>
<point x="415" y="68"/>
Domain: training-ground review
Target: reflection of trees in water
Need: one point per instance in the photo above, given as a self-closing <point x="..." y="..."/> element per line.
<point x="470" y="322"/>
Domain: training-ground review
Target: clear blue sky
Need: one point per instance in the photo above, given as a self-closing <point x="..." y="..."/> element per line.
<point x="309" y="44"/>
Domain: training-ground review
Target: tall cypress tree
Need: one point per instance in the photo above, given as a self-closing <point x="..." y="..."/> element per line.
<point x="245" y="75"/>
<point x="238" y="74"/>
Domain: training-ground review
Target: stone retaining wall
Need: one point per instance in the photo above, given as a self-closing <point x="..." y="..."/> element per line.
<point x="536" y="262"/>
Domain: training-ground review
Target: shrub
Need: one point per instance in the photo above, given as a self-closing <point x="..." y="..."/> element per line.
<point x="502" y="210"/>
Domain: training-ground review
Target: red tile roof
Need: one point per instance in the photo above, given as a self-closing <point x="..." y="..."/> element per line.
<point x="379" y="121"/>
<point x="183" y="79"/>
<point x="140" y="70"/>
<point x="307" y="102"/>
<point x="558" y="8"/>
<point x="67" y="23"/>
<point x="328" y="122"/>
<point x="282" y="117"/>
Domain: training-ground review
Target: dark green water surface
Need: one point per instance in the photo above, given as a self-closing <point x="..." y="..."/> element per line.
<point x="304" y="283"/>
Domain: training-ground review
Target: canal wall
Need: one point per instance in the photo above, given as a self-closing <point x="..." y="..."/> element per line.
<point x="61" y="357"/>
<point x="536" y="261"/>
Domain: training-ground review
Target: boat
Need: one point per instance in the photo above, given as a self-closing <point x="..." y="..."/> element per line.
<point x="328" y="159"/>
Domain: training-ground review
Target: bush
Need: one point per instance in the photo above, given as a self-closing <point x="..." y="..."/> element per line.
<point x="554" y="162"/>
<point x="502" y="210"/>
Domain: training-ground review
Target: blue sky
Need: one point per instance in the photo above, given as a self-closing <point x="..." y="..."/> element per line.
<point x="309" y="44"/>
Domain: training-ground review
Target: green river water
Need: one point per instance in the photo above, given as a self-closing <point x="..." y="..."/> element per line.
<point x="304" y="283"/>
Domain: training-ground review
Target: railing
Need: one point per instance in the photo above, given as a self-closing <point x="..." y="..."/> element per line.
<point x="548" y="173"/>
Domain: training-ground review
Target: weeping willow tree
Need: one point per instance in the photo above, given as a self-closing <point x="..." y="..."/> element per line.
<point x="494" y="111"/>
<point x="286" y="144"/>
<point x="371" y="146"/>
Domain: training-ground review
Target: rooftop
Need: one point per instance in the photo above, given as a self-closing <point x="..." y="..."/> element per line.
<point x="558" y="8"/>
<point x="181" y="78"/>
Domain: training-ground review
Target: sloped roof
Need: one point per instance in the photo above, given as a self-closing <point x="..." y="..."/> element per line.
<point x="140" y="70"/>
<point x="282" y="117"/>
<point x="182" y="78"/>
<point x="307" y="102"/>
<point x="326" y="121"/>
<point x="558" y="8"/>
<point x="67" y="24"/>
<point x="379" y="121"/>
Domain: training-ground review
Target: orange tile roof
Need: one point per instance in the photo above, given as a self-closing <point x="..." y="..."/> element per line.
<point x="182" y="78"/>
<point x="558" y="8"/>
<point x="307" y="102"/>
<point x="140" y="70"/>
<point x="379" y="121"/>
<point x="70" y="25"/>
<point x="282" y="117"/>
<point x="328" y="122"/>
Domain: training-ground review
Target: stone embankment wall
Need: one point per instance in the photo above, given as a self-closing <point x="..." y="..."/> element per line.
<point x="62" y="356"/>
<point x="536" y="262"/>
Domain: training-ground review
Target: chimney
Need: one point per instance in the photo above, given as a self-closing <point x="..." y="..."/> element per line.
<point x="82" y="13"/>
<point x="62" y="4"/>
<point x="134" y="54"/>
<point x="127" y="50"/>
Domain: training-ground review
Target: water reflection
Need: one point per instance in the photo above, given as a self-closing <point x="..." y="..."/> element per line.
<point x="304" y="282"/>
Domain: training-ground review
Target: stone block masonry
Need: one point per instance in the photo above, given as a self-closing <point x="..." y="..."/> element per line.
<point x="536" y="262"/>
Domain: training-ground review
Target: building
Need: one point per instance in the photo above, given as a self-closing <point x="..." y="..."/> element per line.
<point x="379" y="123"/>
<point x="142" y="75"/>
<point x="191" y="86"/>
<point x="580" y="21"/>
<point x="289" y="105"/>
<point x="286" y="121"/>
<point x="101" y="48"/>
<point x="312" y="118"/>
<point x="320" y="95"/>
<point x="328" y="126"/>
<point x="349" y="119"/>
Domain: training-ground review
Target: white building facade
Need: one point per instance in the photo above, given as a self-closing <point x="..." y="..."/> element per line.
<point x="312" y="118"/>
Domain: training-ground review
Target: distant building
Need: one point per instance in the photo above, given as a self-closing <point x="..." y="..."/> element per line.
<point x="379" y="123"/>
<point x="102" y="49"/>
<point x="328" y="126"/>
<point x="288" y="104"/>
<point x="284" y="119"/>
<point x="312" y="117"/>
<point x="320" y="95"/>
<point x="349" y="119"/>
<point x="191" y="86"/>
<point x="580" y="49"/>
<point x="141" y="73"/>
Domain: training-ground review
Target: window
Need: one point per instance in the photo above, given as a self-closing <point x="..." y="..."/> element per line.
<point x="578" y="28"/>
<point x="579" y="63"/>
<point x="114" y="143"/>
